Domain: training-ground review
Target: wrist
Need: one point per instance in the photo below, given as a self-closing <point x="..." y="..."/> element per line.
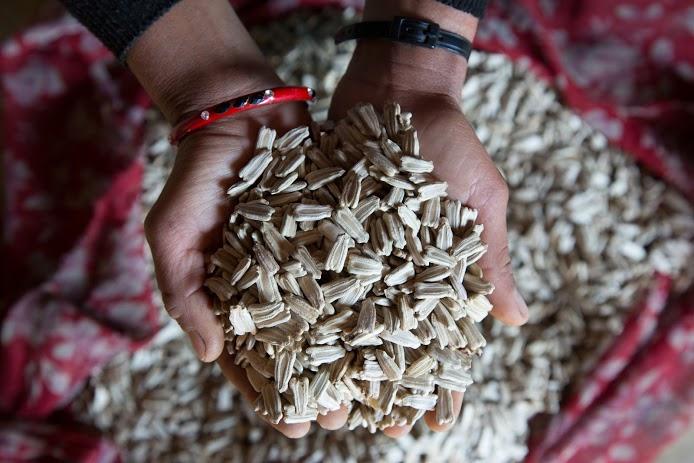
<point x="197" y="55"/>
<point x="445" y="16"/>
<point x="410" y="68"/>
<point x="192" y="95"/>
<point x="407" y="68"/>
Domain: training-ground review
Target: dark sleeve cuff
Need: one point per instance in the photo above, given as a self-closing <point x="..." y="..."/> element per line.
<point x="474" y="7"/>
<point x="117" y="23"/>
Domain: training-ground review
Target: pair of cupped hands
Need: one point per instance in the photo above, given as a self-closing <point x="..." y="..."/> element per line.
<point x="186" y="222"/>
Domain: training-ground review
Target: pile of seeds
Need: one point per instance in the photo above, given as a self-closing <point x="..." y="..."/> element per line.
<point x="348" y="277"/>
<point x="161" y="404"/>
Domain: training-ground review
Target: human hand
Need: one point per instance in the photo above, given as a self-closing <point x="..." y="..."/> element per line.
<point x="428" y="83"/>
<point x="186" y="222"/>
<point x="185" y="225"/>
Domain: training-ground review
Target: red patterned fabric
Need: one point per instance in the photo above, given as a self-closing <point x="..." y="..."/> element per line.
<point x="75" y="283"/>
<point x="22" y="440"/>
<point x="74" y="276"/>
<point x="638" y="398"/>
<point x="626" y="67"/>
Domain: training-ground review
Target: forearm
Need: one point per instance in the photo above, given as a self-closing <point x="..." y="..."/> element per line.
<point x="196" y="55"/>
<point x="407" y="66"/>
<point x="187" y="54"/>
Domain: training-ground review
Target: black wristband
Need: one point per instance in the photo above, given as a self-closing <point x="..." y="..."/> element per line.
<point x="474" y="7"/>
<point x="407" y="30"/>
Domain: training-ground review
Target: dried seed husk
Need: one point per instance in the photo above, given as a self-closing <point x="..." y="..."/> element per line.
<point x="438" y="256"/>
<point x="400" y="274"/>
<point x="365" y="118"/>
<point x="351" y="191"/>
<point x="338" y="253"/>
<point x="409" y="142"/>
<point x="255" y="211"/>
<point x="344" y="217"/>
<point x="220" y="287"/>
<point x="434" y="273"/>
<point x="431" y="190"/>
<point x="373" y="153"/>
<point x="360" y="265"/>
<point x="266" y="139"/>
<point x="241" y="321"/>
<point x="311" y="212"/>
<point x="444" y="407"/>
<point x="320" y="177"/>
<point x="290" y="163"/>
<point x="282" y="184"/>
<point x="284" y="365"/>
<point x="303" y="255"/>
<point x="415" y="165"/>
<point x="302" y="308"/>
<point x="292" y="139"/>
<point x="366" y="207"/>
<point x="269" y="314"/>
<point x="391" y="115"/>
<point x="256" y="166"/>
<point x="265" y="259"/>
<point x="312" y="292"/>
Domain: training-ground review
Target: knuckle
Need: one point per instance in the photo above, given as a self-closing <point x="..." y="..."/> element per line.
<point x="489" y="189"/>
<point x="499" y="190"/>
<point x="153" y="223"/>
<point x="174" y="310"/>
<point x="503" y="257"/>
<point x="159" y="229"/>
<point x="501" y="268"/>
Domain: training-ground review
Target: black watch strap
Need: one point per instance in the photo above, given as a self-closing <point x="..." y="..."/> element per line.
<point x="407" y="30"/>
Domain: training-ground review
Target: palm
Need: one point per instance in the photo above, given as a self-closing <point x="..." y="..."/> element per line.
<point x="185" y="225"/>
<point x="186" y="220"/>
<point x="460" y="159"/>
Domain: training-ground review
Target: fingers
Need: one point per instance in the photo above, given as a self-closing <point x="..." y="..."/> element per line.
<point x="430" y="419"/>
<point x="237" y="376"/>
<point x="397" y="432"/>
<point x="293" y="431"/>
<point x="475" y="180"/>
<point x="509" y="306"/>
<point x="334" y="420"/>
<point x="430" y="416"/>
<point x="180" y="274"/>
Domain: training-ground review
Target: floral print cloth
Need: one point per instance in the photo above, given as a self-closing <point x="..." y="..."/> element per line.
<point x="627" y="67"/>
<point x="76" y="288"/>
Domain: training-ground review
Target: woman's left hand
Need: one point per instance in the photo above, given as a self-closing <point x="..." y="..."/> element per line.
<point x="381" y="72"/>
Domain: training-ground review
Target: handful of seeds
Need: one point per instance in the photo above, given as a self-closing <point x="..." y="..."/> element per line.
<point x="348" y="277"/>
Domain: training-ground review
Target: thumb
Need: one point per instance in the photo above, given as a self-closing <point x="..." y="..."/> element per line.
<point x="180" y="273"/>
<point x="509" y="306"/>
<point x="474" y="179"/>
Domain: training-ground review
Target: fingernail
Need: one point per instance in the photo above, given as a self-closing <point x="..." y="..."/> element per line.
<point x="520" y="303"/>
<point x="198" y="344"/>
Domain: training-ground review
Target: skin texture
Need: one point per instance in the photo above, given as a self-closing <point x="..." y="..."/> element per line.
<point x="217" y="61"/>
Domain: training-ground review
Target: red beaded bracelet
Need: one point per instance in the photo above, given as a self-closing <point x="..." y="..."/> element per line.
<point x="238" y="105"/>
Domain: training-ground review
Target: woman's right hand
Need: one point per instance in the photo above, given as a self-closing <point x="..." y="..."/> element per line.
<point x="197" y="55"/>
<point x="186" y="222"/>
